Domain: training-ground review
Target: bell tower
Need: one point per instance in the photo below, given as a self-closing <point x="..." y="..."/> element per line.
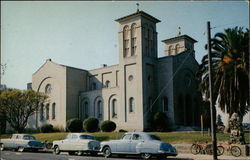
<point x="181" y="43"/>
<point x="137" y="36"/>
<point x="137" y="58"/>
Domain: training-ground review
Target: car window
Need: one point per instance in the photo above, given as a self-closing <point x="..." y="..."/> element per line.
<point x="26" y="137"/>
<point x="126" y="137"/>
<point x="136" y="137"/>
<point x="154" y="137"/>
<point x="86" y="137"/>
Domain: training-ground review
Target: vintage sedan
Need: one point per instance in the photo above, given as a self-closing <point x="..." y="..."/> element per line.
<point x="145" y="144"/>
<point x="77" y="143"/>
<point x="21" y="142"/>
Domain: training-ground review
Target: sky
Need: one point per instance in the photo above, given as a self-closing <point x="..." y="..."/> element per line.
<point x="84" y="34"/>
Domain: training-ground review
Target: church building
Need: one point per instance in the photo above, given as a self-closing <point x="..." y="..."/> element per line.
<point x="130" y="92"/>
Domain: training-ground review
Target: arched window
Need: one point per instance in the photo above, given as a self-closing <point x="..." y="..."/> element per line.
<point x="47" y="112"/>
<point x="133" y="39"/>
<point x="170" y="49"/>
<point x="107" y="84"/>
<point x="177" y="48"/>
<point x="125" y="41"/>
<point x="165" y="104"/>
<point x="131" y="104"/>
<point x="54" y="111"/>
<point x="114" y="108"/>
<point x="42" y="113"/>
<point x="99" y="109"/>
<point x="48" y="89"/>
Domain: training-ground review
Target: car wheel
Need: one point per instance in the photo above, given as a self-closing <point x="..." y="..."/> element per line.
<point x="107" y="152"/>
<point x="79" y="153"/>
<point x="1" y="147"/>
<point x="146" y="155"/>
<point x="56" y="150"/>
<point x="20" y="149"/>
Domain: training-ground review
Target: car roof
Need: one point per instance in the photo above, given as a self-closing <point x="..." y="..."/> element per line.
<point x="140" y="133"/>
<point x="24" y="135"/>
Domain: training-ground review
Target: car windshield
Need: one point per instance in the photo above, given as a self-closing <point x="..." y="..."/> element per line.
<point x="29" y="137"/>
<point x="154" y="137"/>
<point x="86" y="137"/>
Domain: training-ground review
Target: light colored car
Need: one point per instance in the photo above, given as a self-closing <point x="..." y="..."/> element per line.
<point x="141" y="143"/>
<point x="21" y="142"/>
<point x="77" y="143"/>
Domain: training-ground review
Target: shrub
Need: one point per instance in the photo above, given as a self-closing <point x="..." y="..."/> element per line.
<point x="74" y="125"/>
<point x="108" y="126"/>
<point x="46" y="128"/>
<point x="91" y="124"/>
<point x="160" y="121"/>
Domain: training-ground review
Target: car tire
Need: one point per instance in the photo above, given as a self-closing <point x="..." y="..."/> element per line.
<point x="56" y="150"/>
<point x="146" y="155"/>
<point x="107" y="152"/>
<point x="1" y="146"/>
<point x="20" y="149"/>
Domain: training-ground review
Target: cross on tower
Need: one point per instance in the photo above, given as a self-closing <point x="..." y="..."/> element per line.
<point x="137" y="7"/>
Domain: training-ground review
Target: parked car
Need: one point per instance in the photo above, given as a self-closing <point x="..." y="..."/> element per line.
<point x="77" y="143"/>
<point x="246" y="126"/>
<point x="21" y="142"/>
<point x="140" y="143"/>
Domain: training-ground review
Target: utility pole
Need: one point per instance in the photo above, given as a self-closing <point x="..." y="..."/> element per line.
<point x="212" y="108"/>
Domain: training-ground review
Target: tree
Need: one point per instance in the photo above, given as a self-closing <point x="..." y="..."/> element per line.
<point x="18" y="106"/>
<point x="230" y="63"/>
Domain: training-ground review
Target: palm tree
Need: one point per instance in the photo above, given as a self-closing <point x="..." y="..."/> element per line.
<point x="230" y="64"/>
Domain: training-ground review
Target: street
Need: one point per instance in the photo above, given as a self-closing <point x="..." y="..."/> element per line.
<point x="10" y="155"/>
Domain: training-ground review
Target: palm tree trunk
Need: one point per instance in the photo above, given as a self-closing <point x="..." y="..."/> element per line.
<point x="227" y="127"/>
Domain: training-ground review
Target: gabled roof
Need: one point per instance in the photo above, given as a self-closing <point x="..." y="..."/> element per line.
<point x="138" y="13"/>
<point x="178" y="38"/>
<point x="50" y="61"/>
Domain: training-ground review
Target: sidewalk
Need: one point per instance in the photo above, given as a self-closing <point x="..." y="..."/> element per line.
<point x="187" y="156"/>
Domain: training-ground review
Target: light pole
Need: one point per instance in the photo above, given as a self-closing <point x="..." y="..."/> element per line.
<point x="212" y="108"/>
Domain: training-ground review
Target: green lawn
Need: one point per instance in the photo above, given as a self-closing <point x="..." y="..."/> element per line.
<point x="171" y="137"/>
